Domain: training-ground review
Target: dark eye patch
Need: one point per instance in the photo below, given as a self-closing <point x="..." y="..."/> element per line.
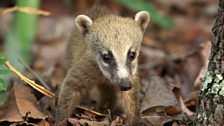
<point x="108" y="58"/>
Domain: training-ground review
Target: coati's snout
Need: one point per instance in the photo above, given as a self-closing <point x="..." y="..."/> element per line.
<point x="125" y="84"/>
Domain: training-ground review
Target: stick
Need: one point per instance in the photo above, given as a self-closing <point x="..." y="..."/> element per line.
<point x="30" y="82"/>
<point x="25" y="10"/>
<point x="37" y="76"/>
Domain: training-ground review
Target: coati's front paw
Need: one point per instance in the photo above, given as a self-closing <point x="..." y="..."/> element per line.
<point x="128" y="121"/>
<point x="117" y="120"/>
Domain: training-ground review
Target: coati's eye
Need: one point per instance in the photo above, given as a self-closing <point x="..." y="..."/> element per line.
<point x="107" y="57"/>
<point x="131" y="55"/>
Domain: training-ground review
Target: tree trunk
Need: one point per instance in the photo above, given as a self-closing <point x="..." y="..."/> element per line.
<point x="210" y="106"/>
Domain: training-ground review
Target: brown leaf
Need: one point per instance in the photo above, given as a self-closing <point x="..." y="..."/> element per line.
<point x="22" y="104"/>
<point x="154" y="120"/>
<point x="93" y="123"/>
<point x="69" y="121"/>
<point x="10" y="113"/>
<point x="181" y="102"/>
<point x="43" y="123"/>
<point x="26" y="102"/>
<point x="191" y="101"/>
<point x="158" y="95"/>
<point x="191" y="68"/>
<point x="183" y="71"/>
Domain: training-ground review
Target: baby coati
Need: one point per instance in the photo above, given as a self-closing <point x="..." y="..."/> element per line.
<point x="103" y="52"/>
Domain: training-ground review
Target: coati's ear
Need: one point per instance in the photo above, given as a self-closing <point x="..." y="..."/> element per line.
<point x="142" y="19"/>
<point x="83" y="23"/>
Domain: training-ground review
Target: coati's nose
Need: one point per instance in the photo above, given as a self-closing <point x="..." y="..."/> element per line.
<point x="125" y="84"/>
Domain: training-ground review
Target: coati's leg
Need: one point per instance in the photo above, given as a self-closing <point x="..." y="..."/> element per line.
<point x="69" y="96"/>
<point x="107" y="98"/>
<point x="130" y="104"/>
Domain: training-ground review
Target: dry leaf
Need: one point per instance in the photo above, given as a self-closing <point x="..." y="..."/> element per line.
<point x="10" y="113"/>
<point x="22" y="103"/>
<point x="69" y="121"/>
<point x="43" y="123"/>
<point x="155" y="120"/>
<point x="181" y="102"/>
<point x="158" y="95"/>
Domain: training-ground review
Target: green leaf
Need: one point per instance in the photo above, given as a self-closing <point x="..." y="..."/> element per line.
<point x="2" y="59"/>
<point x="155" y="15"/>
<point x="5" y="71"/>
<point x="3" y="85"/>
<point x="3" y="97"/>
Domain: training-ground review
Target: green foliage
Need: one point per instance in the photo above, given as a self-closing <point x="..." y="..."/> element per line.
<point x="3" y="79"/>
<point x="3" y="97"/>
<point x="155" y="15"/>
<point x="3" y="85"/>
<point x="5" y="71"/>
<point x="2" y="59"/>
<point x="21" y="35"/>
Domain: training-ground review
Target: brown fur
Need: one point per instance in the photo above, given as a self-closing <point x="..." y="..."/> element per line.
<point x="109" y="31"/>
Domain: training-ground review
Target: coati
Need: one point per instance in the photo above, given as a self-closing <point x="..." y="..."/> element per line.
<point x="103" y="52"/>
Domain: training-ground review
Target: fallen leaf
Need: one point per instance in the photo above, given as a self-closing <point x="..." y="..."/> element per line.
<point x="93" y="123"/>
<point x="22" y="105"/>
<point x="158" y="95"/>
<point x="69" y="121"/>
<point x="26" y="102"/>
<point x="43" y="123"/>
<point x="181" y="102"/>
<point x="181" y="73"/>
<point x="10" y="113"/>
<point x="155" y="120"/>
<point x="191" y="101"/>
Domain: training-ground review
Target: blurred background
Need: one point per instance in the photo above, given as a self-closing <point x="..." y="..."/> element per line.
<point x="175" y="49"/>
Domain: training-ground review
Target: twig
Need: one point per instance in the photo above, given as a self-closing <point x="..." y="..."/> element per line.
<point x="30" y="82"/>
<point x="34" y="73"/>
<point x="93" y="123"/>
<point x="91" y="111"/>
<point x="25" y="10"/>
<point x="109" y="114"/>
<point x="82" y="116"/>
